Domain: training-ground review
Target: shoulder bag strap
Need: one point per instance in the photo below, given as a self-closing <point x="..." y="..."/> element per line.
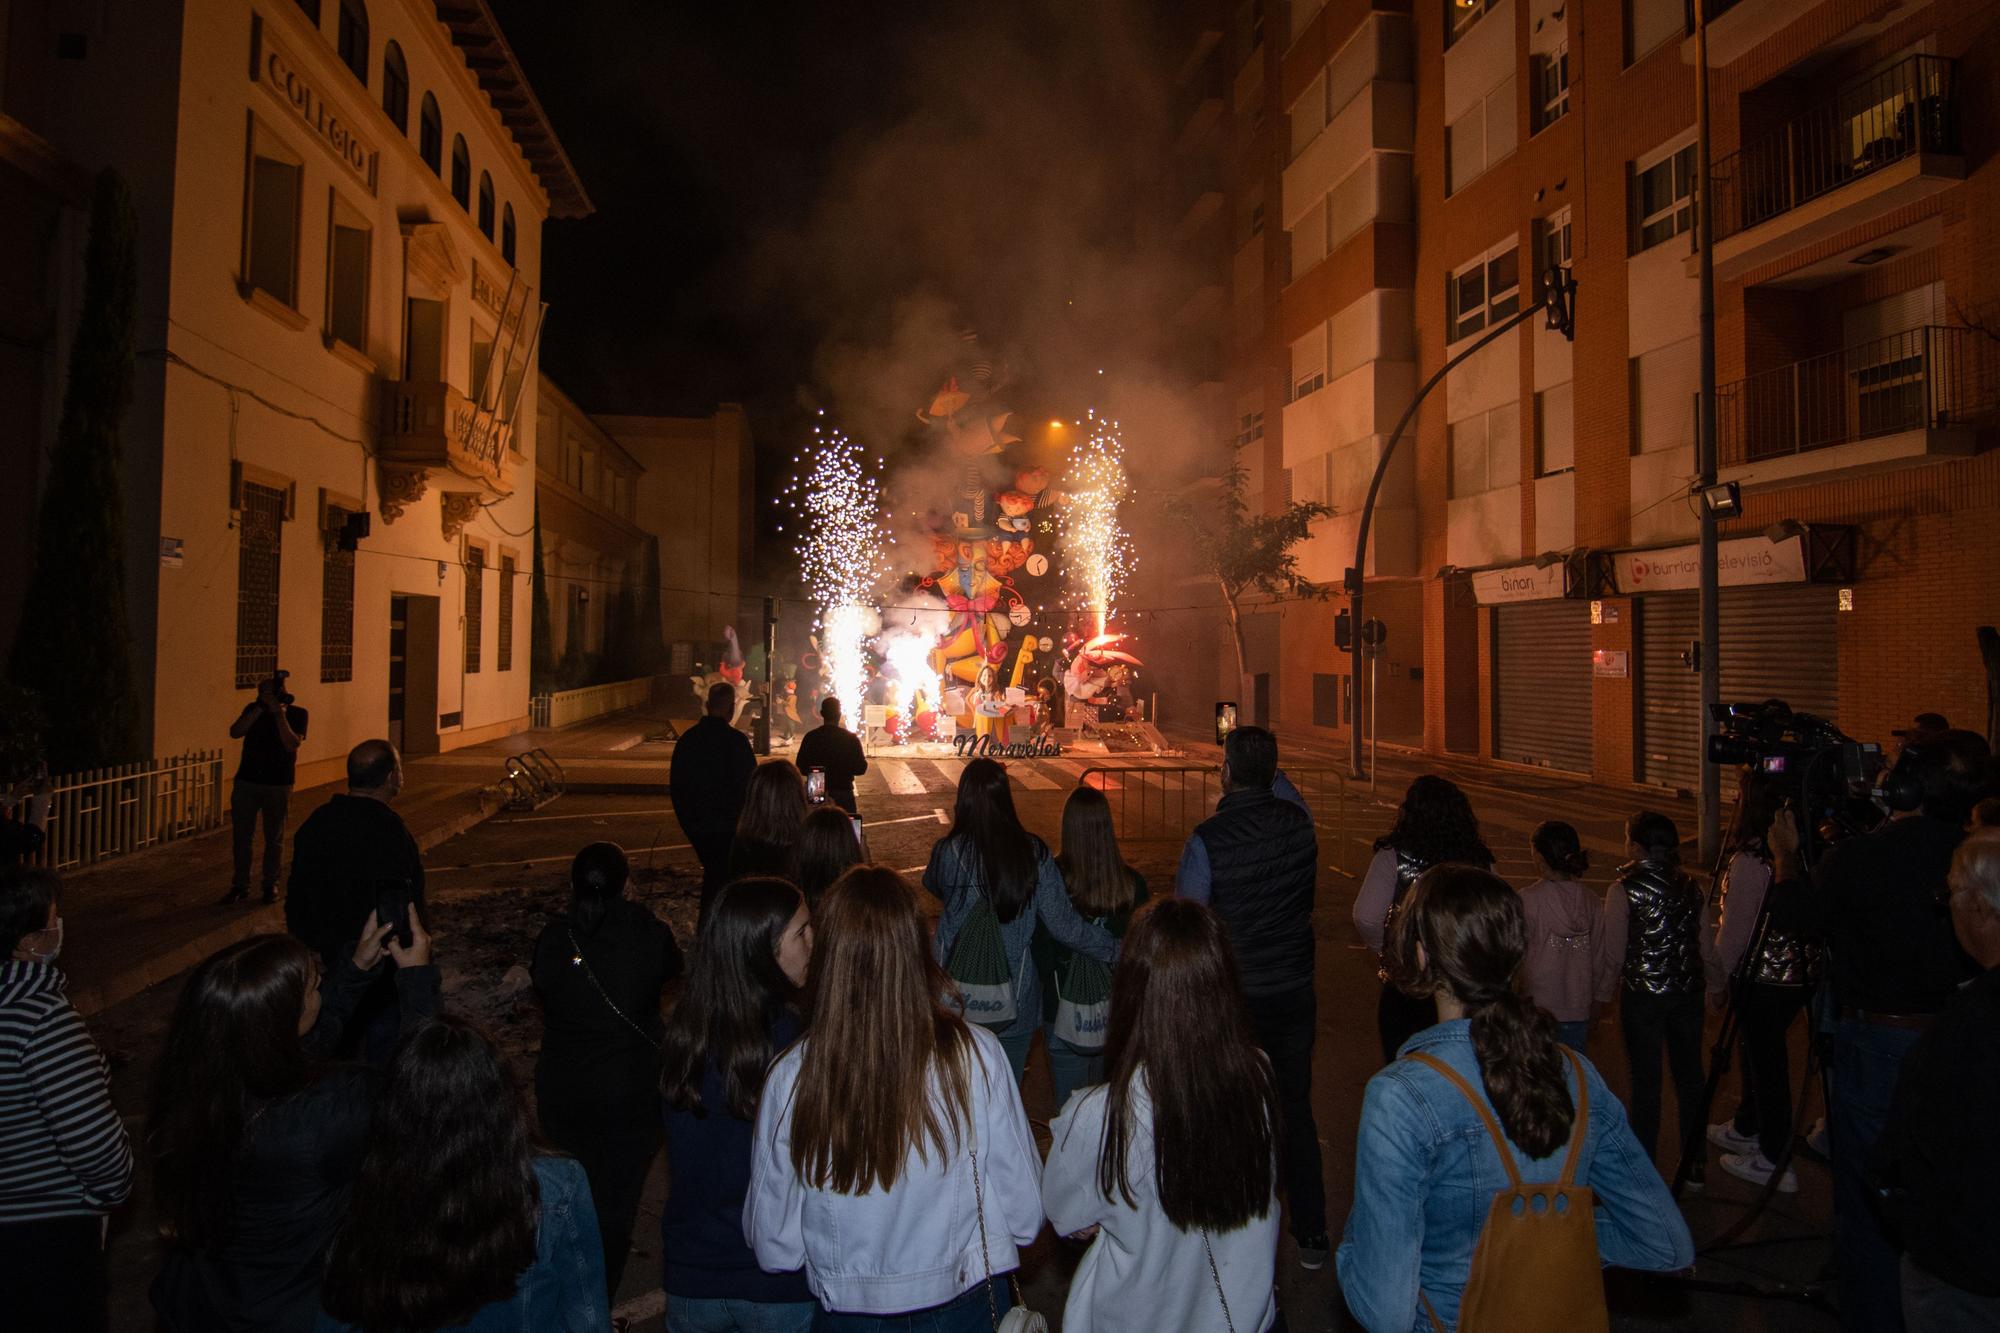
<point x="1479" y="1105"/>
<point x="1578" y="1130"/>
<point x="577" y="959"/>
<point x="1216" y="1274"/>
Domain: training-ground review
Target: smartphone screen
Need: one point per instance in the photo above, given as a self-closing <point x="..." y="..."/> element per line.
<point x="816" y="785"/>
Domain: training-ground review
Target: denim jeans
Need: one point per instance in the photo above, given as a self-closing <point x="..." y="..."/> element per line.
<point x="1286" y="1026"/>
<point x="1071" y="1068"/>
<point x="968" y="1313"/>
<point x="694" y="1314"/>
<point x="250" y="802"/>
<point x="1867" y="1057"/>
<point x="1016" y="1045"/>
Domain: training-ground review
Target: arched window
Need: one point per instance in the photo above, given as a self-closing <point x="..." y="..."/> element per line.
<point x="461" y="173"/>
<point x="507" y="232"/>
<point x="486" y="204"/>
<point x="352" y="38"/>
<point x="396" y="86"/>
<point x="430" y="135"/>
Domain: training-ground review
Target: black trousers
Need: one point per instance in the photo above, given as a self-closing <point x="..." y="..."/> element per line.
<point x="1765" y="1113"/>
<point x="54" y="1276"/>
<point x="615" y="1159"/>
<point x="1399" y="1017"/>
<point x="249" y="804"/>
<point x="1653" y="1022"/>
<point x="712" y="850"/>
<point x="1285" y="1026"/>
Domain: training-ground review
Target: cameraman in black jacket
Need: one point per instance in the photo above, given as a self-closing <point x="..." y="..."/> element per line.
<point x="1878" y="901"/>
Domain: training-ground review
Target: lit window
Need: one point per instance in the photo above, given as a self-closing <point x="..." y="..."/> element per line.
<point x="1461" y="16"/>
<point x="430" y="135"/>
<point x="1663" y="198"/>
<point x="396" y="87"/>
<point x="507" y="232"/>
<point x="347" y="275"/>
<point x="1551" y="86"/>
<point x="271" y="238"/>
<point x="475" y="604"/>
<point x="486" y="204"/>
<point x="352" y="38"/>
<point x="461" y="172"/>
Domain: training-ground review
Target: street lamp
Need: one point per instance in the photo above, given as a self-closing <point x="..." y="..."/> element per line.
<point x="1559" y="300"/>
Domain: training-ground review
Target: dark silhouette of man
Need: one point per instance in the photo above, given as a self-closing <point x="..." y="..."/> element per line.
<point x="349" y="857"/>
<point x="836" y="751"/>
<point x="711" y="767"/>
<point x="271" y="727"/>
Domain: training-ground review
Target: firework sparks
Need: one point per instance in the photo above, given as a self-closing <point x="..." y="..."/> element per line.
<point x="909" y="659"/>
<point x="837" y="501"/>
<point x="1094" y="547"/>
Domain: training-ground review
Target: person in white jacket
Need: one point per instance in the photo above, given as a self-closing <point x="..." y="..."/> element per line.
<point x="1171" y="1163"/>
<point x="892" y="1158"/>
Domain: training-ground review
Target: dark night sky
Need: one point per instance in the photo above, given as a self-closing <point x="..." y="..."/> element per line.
<point x="799" y="204"/>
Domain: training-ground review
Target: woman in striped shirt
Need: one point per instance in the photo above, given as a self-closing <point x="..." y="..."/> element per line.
<point x="64" y="1159"/>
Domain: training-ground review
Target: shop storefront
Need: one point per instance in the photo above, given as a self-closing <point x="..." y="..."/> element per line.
<point x="1541" y="674"/>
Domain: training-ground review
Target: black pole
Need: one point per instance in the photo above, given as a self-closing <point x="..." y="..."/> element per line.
<point x="1558" y="298"/>
<point x="763" y="727"/>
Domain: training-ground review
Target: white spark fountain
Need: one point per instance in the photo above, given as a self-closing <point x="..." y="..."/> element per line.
<point x="838" y="503"/>
<point x="1093" y="542"/>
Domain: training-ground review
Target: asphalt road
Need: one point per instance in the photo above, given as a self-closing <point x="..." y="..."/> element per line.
<point x="489" y="888"/>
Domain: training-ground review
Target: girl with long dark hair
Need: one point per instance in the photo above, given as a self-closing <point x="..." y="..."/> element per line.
<point x="1434" y="826"/>
<point x="457" y="1219"/>
<point x="253" y="1137"/>
<point x="892" y="1158"/>
<point x="827" y="848"/>
<point x="1776" y="981"/>
<point x="774" y="814"/>
<point x="738" y="1010"/>
<point x="599" y="969"/>
<point x="997" y="879"/>
<point x="1483" y="1094"/>
<point x="1173" y="1161"/>
<point x="1104" y="891"/>
<point x="1562" y="926"/>
<point x="1650" y="954"/>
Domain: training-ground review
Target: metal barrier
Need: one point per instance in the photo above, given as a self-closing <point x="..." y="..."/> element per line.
<point x="105" y="812"/>
<point x="566" y="708"/>
<point x="1164" y="803"/>
<point x="533" y="778"/>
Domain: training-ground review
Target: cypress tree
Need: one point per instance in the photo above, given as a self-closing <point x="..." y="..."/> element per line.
<point x="74" y="646"/>
<point x="542" y="648"/>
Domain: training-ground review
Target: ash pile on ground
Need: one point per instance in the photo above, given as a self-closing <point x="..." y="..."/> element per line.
<point x="485" y="940"/>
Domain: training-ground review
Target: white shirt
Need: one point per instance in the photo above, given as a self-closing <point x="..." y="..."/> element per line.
<point x="1143" y="1273"/>
<point x="916" y="1244"/>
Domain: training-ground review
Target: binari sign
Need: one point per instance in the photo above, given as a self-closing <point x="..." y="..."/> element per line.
<point x="1520" y="583"/>
<point x="273" y="68"/>
<point x="1740" y="561"/>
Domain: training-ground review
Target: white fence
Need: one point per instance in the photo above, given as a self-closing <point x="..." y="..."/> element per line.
<point x="566" y="708"/>
<point x="106" y="812"/>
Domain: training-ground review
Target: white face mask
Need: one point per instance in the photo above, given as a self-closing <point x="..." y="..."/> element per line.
<point x="50" y="954"/>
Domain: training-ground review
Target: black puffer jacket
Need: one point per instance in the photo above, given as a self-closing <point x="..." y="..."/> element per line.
<point x="1263" y="856"/>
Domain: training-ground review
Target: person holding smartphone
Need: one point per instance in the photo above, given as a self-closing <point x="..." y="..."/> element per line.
<point x="836" y="752"/>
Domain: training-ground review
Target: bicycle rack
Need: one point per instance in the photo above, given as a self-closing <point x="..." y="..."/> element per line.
<point x="533" y="779"/>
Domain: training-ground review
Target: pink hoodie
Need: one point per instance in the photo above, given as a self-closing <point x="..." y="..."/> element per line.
<point x="1562" y="917"/>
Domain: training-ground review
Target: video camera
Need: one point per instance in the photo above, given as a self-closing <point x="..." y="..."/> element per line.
<point x="1827" y="774"/>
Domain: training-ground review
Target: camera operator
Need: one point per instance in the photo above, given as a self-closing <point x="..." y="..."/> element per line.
<point x="1878" y="901"/>
<point x="271" y="726"/>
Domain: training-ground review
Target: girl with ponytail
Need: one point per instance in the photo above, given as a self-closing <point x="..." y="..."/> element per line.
<point x="1426" y="1169"/>
<point x="1562" y="923"/>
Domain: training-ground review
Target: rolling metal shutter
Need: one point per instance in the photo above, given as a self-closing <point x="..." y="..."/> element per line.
<point x="1541" y="684"/>
<point x="1777" y="643"/>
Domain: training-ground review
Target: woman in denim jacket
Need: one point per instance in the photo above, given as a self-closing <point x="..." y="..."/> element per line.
<point x="1426" y="1169"/>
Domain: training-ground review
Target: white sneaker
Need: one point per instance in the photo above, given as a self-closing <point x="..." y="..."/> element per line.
<point x="1756" y="1168"/>
<point x="1725" y="1137"/>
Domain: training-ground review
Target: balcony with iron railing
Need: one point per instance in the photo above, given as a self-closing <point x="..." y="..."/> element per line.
<point x="430" y="425"/>
<point x="1877" y="144"/>
<point x="1890" y="402"/>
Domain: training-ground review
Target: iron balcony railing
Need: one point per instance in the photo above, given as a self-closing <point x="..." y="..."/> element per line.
<point x="1909" y="108"/>
<point x="1923" y="379"/>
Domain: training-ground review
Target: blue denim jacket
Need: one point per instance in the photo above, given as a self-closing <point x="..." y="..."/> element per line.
<point x="563" y="1290"/>
<point x="1426" y="1171"/>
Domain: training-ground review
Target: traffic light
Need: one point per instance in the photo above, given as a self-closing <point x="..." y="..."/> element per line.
<point x="1343" y="631"/>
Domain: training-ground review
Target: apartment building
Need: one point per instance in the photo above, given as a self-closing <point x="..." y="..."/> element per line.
<point x="1532" y="552"/>
<point x="330" y="456"/>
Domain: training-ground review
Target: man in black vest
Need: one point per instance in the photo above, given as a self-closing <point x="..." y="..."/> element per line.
<point x="707" y="777"/>
<point x="836" y="751"/>
<point x="1255" y="863"/>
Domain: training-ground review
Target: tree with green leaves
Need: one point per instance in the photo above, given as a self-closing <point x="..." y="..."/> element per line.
<point x="1246" y="553"/>
<point x="541" y="646"/>
<point x="74" y="647"/>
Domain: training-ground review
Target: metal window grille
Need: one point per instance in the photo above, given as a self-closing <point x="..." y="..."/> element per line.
<point x="475" y="602"/>
<point x="260" y="529"/>
<point x="506" y="650"/>
<point x="336" y="603"/>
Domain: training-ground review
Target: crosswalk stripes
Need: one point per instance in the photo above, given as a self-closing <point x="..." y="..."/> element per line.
<point x="914" y="776"/>
<point x="1030" y="775"/>
<point x="897" y="776"/>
